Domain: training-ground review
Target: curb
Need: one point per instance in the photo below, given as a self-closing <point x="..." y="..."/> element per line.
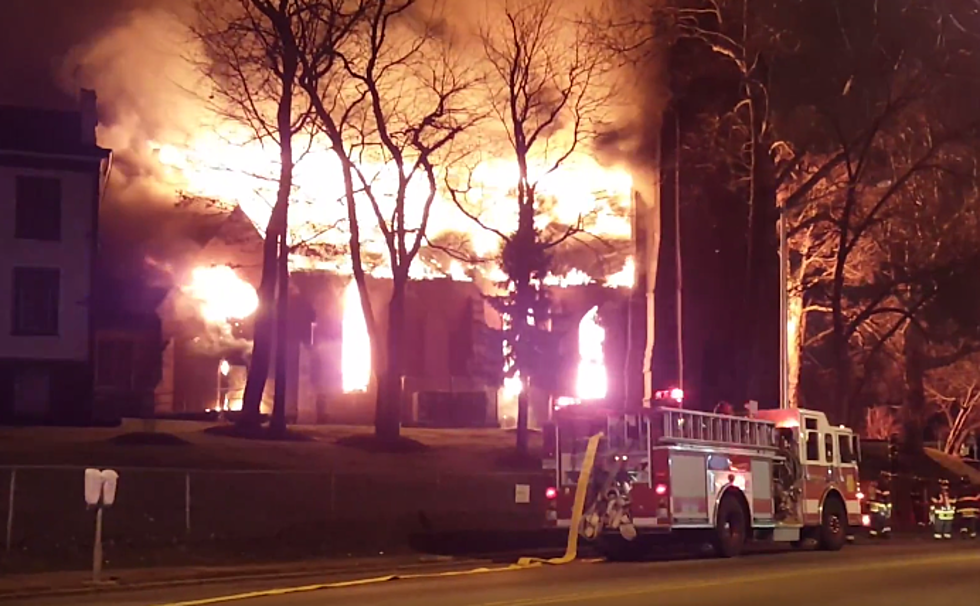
<point x="116" y="586"/>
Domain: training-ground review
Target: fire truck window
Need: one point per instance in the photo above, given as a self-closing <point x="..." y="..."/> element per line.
<point x="616" y="433"/>
<point x="811" y="423"/>
<point x="719" y="463"/>
<point x="632" y="428"/>
<point x="828" y="445"/>
<point x="813" y="446"/>
<point x="844" y="448"/>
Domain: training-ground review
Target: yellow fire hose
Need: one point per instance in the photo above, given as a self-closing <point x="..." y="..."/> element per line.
<point x="571" y="550"/>
<point x="578" y="508"/>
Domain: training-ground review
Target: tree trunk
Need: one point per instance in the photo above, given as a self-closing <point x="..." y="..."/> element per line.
<point x="523" y="411"/>
<point x="915" y="394"/>
<point x="523" y="296"/>
<point x="258" y="370"/>
<point x="284" y="127"/>
<point x="258" y="367"/>
<point x="278" y="423"/>
<point x="387" y="419"/>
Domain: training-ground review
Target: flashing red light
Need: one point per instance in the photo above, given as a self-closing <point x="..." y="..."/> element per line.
<point x="661" y="489"/>
<point x="675" y="394"/>
<point x="564" y="401"/>
<point x="860" y="496"/>
<point x="551" y="493"/>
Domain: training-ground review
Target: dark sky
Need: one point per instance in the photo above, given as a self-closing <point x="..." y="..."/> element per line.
<point x="37" y="35"/>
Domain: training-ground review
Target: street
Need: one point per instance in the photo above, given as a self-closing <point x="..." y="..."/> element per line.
<point x="922" y="574"/>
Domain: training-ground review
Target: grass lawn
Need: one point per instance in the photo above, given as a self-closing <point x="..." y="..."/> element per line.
<point x="188" y="445"/>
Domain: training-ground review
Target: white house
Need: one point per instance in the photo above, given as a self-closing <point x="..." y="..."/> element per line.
<point x="52" y="175"/>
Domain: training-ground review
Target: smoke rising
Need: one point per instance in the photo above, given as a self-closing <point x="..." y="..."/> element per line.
<point x="142" y="65"/>
<point x="148" y="92"/>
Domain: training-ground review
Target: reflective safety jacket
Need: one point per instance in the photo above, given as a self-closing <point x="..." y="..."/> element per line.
<point x="881" y="503"/>
<point x="943" y="507"/>
<point x="968" y="506"/>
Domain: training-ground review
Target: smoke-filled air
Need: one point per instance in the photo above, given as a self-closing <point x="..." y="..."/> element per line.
<point x="173" y="138"/>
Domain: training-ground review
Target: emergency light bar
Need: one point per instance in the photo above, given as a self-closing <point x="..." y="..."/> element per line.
<point x="675" y="394"/>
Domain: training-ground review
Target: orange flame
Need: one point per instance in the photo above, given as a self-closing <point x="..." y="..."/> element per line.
<point x="592" y="383"/>
<point x="230" y="167"/>
<point x="355" y="348"/>
<point x="222" y="295"/>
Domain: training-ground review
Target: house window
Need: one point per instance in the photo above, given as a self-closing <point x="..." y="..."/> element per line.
<point x="36" y="296"/>
<point x="114" y="364"/>
<point x="38" y="209"/>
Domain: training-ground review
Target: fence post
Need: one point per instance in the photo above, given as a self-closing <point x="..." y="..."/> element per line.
<point x="10" y="509"/>
<point x="187" y="503"/>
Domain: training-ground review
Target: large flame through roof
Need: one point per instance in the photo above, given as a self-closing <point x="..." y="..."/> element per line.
<point x="213" y="165"/>
<point x="222" y="295"/>
<point x="355" y="355"/>
<point x="591" y="382"/>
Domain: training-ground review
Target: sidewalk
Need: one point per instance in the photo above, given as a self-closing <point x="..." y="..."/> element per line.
<point x="75" y="582"/>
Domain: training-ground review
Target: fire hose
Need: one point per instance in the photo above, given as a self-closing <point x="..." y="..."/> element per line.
<point x="571" y="550"/>
<point x="578" y="508"/>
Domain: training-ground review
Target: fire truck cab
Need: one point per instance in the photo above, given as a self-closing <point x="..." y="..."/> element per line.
<point x="776" y="475"/>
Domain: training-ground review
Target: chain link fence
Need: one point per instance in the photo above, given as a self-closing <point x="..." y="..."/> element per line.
<point x="173" y="516"/>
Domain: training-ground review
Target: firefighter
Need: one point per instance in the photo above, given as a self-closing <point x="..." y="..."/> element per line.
<point x="880" y="508"/>
<point x="968" y="509"/>
<point x="943" y="511"/>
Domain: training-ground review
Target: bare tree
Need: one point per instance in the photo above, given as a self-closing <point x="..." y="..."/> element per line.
<point x="390" y="96"/>
<point x="881" y="423"/>
<point x="252" y="60"/>
<point x="857" y="263"/>
<point x="547" y="91"/>
<point x="955" y="392"/>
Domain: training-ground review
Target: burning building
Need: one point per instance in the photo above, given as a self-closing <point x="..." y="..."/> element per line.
<point x="452" y="342"/>
<point x="179" y="144"/>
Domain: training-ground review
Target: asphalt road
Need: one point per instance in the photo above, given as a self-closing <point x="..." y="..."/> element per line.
<point x="892" y="575"/>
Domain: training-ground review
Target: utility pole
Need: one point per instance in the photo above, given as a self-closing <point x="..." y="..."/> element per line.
<point x="677" y="249"/>
<point x="783" y="310"/>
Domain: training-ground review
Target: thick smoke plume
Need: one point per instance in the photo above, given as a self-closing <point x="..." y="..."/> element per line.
<point x="151" y="92"/>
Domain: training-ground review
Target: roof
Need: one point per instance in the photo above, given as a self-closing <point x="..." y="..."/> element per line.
<point x="44" y="131"/>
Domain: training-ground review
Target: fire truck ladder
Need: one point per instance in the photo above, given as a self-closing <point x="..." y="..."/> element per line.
<point x="693" y="427"/>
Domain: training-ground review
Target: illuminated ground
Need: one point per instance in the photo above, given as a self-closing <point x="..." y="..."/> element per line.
<point x="446" y="450"/>
<point x="867" y="576"/>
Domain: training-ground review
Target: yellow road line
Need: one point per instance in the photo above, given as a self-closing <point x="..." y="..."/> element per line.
<point x="756" y="578"/>
<point x="355" y="583"/>
<point x="571" y="552"/>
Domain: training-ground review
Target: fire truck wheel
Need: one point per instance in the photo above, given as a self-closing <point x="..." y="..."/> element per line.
<point x="730" y="527"/>
<point x="833" y="527"/>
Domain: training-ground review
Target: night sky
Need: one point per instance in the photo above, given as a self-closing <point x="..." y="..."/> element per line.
<point x="37" y="39"/>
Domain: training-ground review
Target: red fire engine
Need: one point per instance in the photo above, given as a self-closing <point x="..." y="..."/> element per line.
<point x="777" y="475"/>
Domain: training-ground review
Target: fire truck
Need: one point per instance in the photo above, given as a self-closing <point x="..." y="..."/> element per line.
<point x="664" y="472"/>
